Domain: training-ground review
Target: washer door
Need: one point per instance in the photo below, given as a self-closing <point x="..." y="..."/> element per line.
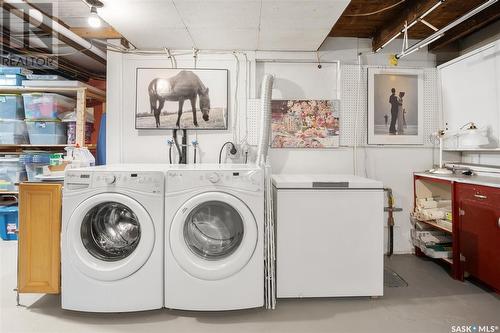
<point x="110" y="236"/>
<point x="213" y="235"/>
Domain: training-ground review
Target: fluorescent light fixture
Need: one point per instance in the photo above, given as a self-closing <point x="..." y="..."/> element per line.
<point x="431" y="9"/>
<point x="430" y="41"/>
<point x="94" y="20"/>
<point x="408" y="52"/>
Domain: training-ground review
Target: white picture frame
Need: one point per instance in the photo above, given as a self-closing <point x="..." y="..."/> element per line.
<point x="400" y="120"/>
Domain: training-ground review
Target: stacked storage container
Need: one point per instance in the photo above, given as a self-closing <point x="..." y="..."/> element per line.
<point x="11" y="173"/>
<point x="12" y="76"/>
<point x="42" y="112"/>
<point x="34" y="164"/>
<point x="12" y="127"/>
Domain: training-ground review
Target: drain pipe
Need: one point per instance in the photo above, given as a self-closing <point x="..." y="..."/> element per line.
<point x="266" y="92"/>
<point x="22" y="9"/>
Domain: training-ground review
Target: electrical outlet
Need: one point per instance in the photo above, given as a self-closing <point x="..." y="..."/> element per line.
<point x="233" y="156"/>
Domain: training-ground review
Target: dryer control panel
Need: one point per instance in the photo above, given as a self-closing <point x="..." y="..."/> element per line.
<point x="248" y="180"/>
<point x="149" y="182"/>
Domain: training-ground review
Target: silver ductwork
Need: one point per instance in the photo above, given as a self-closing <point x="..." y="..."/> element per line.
<point x="266" y="93"/>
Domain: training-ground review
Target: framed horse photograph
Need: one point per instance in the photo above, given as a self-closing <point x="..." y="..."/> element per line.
<point x="395" y="106"/>
<point x="181" y="98"/>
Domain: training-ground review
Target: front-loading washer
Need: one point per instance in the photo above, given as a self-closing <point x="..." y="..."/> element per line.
<point x="214" y="224"/>
<point x="112" y="240"/>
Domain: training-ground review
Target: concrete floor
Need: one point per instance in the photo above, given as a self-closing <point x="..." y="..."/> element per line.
<point x="432" y="302"/>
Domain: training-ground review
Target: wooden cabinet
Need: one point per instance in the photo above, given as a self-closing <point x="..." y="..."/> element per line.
<point x="39" y="256"/>
<point x="479" y="218"/>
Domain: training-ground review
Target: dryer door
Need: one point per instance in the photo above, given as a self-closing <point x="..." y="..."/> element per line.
<point x="109" y="237"/>
<point x="213" y="235"/>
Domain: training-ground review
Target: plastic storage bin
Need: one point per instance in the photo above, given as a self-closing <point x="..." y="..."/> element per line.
<point x="34" y="163"/>
<point x="11" y="79"/>
<point x="11" y="106"/>
<point x="8" y="222"/>
<point x="13" y="132"/>
<point x="46" y="132"/>
<point x="11" y="173"/>
<point x="47" y="105"/>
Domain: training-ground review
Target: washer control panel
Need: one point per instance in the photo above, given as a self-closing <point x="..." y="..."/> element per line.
<point x="179" y="180"/>
<point x="150" y="182"/>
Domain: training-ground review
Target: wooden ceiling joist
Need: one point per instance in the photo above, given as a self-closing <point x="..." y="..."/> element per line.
<point x="101" y="33"/>
<point x="478" y="21"/>
<point x="65" y="67"/>
<point x="409" y="13"/>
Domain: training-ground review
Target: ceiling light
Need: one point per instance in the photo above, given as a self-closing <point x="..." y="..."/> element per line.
<point x="94" y="20"/>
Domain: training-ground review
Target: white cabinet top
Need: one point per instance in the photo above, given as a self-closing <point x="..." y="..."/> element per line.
<point x="322" y="181"/>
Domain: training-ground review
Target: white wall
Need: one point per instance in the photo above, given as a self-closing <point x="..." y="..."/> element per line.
<point x="392" y="165"/>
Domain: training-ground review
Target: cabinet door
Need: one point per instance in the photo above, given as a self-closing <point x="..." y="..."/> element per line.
<point x="480" y="238"/>
<point x="39" y="257"/>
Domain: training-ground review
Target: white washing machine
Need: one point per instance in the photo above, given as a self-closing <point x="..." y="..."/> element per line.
<point x="214" y="224"/>
<point x="112" y="239"/>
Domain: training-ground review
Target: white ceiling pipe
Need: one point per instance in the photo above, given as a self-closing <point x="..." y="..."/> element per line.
<point x="436" y="35"/>
<point x="56" y="27"/>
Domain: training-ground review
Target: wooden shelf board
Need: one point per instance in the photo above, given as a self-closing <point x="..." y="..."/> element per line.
<point x="448" y="260"/>
<point x="23" y="146"/>
<point x="92" y="93"/>
<point x="437" y="226"/>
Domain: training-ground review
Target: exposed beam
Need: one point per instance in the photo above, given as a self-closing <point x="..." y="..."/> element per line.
<point x="473" y="24"/>
<point x="100" y="33"/>
<point x="48" y="29"/>
<point x="409" y="13"/>
<point x="65" y="67"/>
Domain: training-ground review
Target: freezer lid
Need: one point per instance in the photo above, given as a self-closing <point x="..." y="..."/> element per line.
<point x="322" y="181"/>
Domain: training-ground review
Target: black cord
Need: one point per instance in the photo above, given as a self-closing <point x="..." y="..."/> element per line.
<point x="246" y="157"/>
<point x="194" y="154"/>
<point x="170" y="154"/>
<point x="222" y="148"/>
<point x="177" y="146"/>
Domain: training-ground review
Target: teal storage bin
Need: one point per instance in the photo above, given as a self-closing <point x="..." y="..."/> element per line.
<point x="11" y="80"/>
<point x="8" y="222"/>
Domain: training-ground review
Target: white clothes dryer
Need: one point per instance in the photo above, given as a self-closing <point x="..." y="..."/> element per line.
<point x="112" y="240"/>
<point x="214" y="224"/>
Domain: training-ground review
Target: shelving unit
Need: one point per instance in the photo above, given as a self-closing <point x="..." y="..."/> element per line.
<point x="436" y="187"/>
<point x="83" y="95"/>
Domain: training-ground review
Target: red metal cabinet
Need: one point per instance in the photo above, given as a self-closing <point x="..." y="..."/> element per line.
<point x="479" y="218"/>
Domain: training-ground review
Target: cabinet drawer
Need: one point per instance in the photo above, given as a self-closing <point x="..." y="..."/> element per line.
<point x="480" y="194"/>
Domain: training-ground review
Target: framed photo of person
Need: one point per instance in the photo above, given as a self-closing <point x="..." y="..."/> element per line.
<point x="395" y="106"/>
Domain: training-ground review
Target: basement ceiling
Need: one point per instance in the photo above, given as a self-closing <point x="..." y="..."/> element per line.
<point x="299" y="25"/>
<point x="380" y="19"/>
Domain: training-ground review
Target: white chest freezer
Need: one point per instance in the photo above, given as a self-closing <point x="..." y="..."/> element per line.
<point x="329" y="236"/>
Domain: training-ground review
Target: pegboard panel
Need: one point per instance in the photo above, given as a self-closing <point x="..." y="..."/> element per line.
<point x="253" y="114"/>
<point x="431" y="105"/>
<point x="350" y="105"/>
